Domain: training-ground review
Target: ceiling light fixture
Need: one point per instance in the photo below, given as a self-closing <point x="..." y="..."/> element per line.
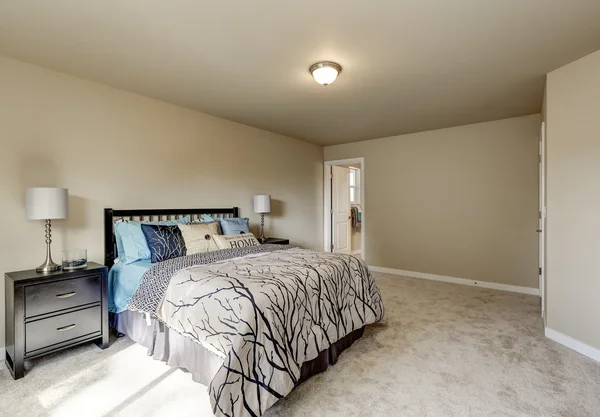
<point x="325" y="72"/>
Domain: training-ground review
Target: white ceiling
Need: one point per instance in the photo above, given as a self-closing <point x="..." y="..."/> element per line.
<point x="408" y="65"/>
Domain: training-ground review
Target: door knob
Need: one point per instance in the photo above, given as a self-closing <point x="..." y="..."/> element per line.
<point x="539" y="230"/>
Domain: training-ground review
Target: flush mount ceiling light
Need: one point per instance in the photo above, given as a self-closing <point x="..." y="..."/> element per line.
<point x="325" y="72"/>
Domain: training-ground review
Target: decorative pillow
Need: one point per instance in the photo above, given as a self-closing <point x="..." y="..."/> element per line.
<point x="165" y="242"/>
<point x="235" y="241"/>
<point x="198" y="237"/>
<point x="231" y="225"/>
<point x="131" y="239"/>
<point x="208" y="219"/>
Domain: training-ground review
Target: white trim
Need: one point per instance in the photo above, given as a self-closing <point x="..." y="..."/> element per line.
<point x="357" y="252"/>
<point x="326" y="207"/>
<point x="327" y="201"/>
<point x="454" y="280"/>
<point x="574" y="344"/>
<point x="542" y="219"/>
<point x="2" y="354"/>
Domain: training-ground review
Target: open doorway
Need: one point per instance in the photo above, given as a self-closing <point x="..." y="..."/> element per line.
<point x="344" y="213"/>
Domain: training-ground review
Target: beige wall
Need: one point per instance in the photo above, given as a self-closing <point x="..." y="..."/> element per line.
<point x="460" y="202"/>
<point x="573" y="200"/>
<point x="120" y="150"/>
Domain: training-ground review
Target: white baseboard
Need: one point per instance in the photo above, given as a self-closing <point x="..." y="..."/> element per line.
<point x="2" y="352"/>
<point x="357" y="252"/>
<point x="454" y="280"/>
<point x="574" y="344"/>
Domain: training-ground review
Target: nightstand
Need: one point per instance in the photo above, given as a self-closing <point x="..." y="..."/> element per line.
<point x="50" y="312"/>
<point x="277" y="241"/>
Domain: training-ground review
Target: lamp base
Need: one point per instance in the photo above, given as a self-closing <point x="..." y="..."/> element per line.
<point x="48" y="267"/>
<point x="262" y="239"/>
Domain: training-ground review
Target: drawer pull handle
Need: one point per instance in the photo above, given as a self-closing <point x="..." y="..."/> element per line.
<point x="66" y="295"/>
<point x="65" y="328"/>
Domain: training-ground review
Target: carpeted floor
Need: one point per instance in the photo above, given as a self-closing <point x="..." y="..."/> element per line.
<point x="446" y="350"/>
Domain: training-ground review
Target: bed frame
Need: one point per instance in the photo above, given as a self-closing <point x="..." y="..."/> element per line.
<point x="112" y="215"/>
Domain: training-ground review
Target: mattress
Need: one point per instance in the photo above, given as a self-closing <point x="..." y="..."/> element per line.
<point x="123" y="281"/>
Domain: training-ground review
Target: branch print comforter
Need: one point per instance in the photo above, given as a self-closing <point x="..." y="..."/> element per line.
<point x="266" y="314"/>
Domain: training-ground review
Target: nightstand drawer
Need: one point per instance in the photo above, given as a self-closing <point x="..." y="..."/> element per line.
<point x="46" y="332"/>
<point x="54" y="296"/>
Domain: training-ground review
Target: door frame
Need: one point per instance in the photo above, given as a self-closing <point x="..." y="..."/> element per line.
<point x="327" y="201"/>
<point x="542" y="218"/>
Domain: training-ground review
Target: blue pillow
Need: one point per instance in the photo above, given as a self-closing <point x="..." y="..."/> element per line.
<point x="133" y="246"/>
<point x="231" y="225"/>
<point x="120" y="248"/>
<point x="165" y="242"/>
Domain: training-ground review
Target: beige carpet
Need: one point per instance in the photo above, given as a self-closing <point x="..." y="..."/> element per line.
<point x="447" y="350"/>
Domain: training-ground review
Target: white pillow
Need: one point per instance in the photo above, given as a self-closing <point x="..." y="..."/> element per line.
<point x="198" y="237"/>
<point x="243" y="240"/>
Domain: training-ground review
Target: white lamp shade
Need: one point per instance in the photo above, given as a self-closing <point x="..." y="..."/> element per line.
<point x="46" y="203"/>
<point x="262" y="203"/>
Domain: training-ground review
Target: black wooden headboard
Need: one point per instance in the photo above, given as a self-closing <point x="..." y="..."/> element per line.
<point x="111" y="216"/>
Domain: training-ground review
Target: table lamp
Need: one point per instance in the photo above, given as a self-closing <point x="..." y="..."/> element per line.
<point x="262" y="205"/>
<point x="47" y="204"/>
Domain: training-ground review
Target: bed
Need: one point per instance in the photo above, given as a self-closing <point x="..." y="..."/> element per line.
<point x="250" y="323"/>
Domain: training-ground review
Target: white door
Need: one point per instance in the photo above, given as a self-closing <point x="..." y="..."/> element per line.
<point x="340" y="200"/>
<point x="542" y="216"/>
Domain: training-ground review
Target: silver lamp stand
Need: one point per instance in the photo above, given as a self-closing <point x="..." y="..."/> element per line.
<point x="48" y="265"/>
<point x="262" y="238"/>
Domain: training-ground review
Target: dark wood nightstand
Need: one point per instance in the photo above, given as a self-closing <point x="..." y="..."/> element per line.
<point x="49" y="312"/>
<point x="277" y="241"/>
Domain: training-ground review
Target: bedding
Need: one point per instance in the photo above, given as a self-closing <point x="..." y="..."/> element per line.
<point x="168" y="346"/>
<point x="263" y="310"/>
<point x="198" y="237"/>
<point x="120" y="248"/>
<point x="231" y="225"/>
<point x="123" y="281"/>
<point x="178" y="351"/>
<point x="131" y="242"/>
<point x="165" y="242"/>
